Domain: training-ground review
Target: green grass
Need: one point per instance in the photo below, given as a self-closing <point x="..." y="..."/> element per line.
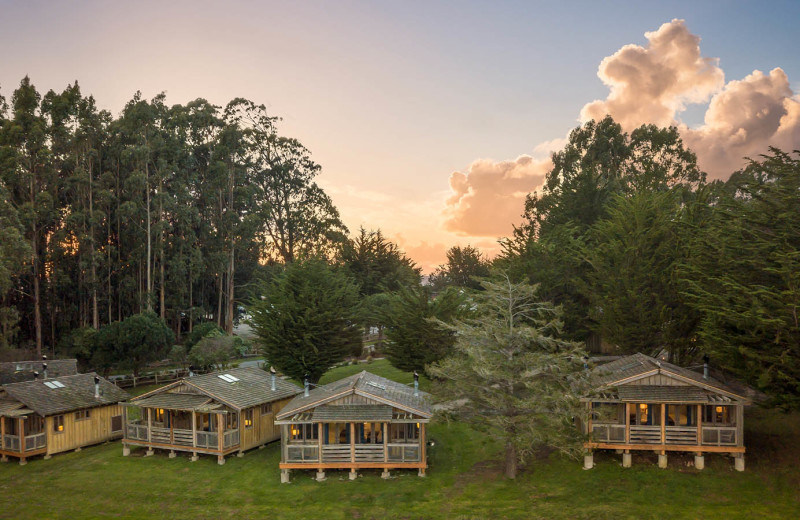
<point x="464" y="481"/>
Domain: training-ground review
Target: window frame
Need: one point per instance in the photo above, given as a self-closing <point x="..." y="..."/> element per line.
<point x="83" y="415"/>
<point x="58" y="420"/>
<point x="266" y="409"/>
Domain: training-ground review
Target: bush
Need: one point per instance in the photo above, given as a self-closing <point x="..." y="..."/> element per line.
<point x="200" y="331"/>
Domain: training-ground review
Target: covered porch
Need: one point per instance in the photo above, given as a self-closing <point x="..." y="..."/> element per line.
<point x="22" y="435"/>
<point x="182" y="422"/>
<point x="353" y="437"/>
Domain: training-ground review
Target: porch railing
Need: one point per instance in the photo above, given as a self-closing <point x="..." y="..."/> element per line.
<point x="403" y="452"/>
<point x="35" y="442"/>
<point x="369" y="453"/>
<point x="681" y="434"/>
<point x="612" y="433"/>
<point x="302" y="453"/>
<point x="207" y="440"/>
<point x="137" y="432"/>
<point x="231" y="438"/>
<point x="645" y="434"/>
<point x="11" y="442"/>
<point x="336" y="453"/>
<point x="181" y="437"/>
<point x="719" y="435"/>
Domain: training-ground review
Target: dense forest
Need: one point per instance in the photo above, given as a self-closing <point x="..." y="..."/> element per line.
<point x="190" y="213"/>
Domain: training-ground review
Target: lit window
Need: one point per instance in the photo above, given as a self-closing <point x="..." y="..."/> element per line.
<point x="58" y="424"/>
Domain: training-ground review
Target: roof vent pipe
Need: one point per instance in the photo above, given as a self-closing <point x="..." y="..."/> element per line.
<point x="586" y="362"/>
<point x="305" y="386"/>
<point x="416" y="383"/>
<point x="272" y="374"/>
<point x="705" y="366"/>
<point x="97" y="387"/>
<point x="191" y="370"/>
<point x="35" y="375"/>
<point x="44" y="370"/>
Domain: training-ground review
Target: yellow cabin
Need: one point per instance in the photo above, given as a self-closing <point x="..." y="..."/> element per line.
<point x="52" y="415"/>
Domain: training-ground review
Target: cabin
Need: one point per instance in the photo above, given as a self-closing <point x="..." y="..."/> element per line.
<point x="18" y="371"/>
<point x="219" y="413"/>
<point x="359" y="422"/>
<point x="55" y="414"/>
<point x="640" y="403"/>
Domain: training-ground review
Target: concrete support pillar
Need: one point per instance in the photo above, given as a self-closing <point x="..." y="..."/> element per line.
<point x="588" y="461"/>
<point x="220" y="459"/>
<point x="172" y="454"/>
<point x="262" y="446"/>
<point x="421" y="472"/>
<point x="618" y="452"/>
<point x="126" y="450"/>
<point x="699" y="461"/>
<point x="662" y="460"/>
<point x="47" y="457"/>
<point x="284" y="476"/>
<point x="353" y="474"/>
<point x="320" y="475"/>
<point x="22" y="462"/>
<point x="150" y="452"/>
<point x="626" y="459"/>
<point x="195" y="457"/>
<point x="385" y="474"/>
<point x="240" y="454"/>
<point x="3" y="459"/>
<point x="77" y="449"/>
<point x="738" y="462"/>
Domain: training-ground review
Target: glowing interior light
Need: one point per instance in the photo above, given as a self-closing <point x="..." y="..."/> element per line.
<point x="719" y="409"/>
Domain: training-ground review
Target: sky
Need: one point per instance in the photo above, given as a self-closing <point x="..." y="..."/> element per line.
<point x="432" y="120"/>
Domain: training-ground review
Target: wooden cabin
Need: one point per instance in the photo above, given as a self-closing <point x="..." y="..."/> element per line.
<point x="47" y="416"/>
<point x="645" y="404"/>
<point x="216" y="414"/>
<point x="361" y="421"/>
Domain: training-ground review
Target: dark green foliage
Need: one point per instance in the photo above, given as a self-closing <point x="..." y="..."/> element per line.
<point x="415" y="325"/>
<point x="201" y="331"/>
<point x="377" y="264"/>
<point x="132" y="343"/>
<point x="465" y="266"/>
<point x="213" y="352"/>
<point x="744" y="277"/>
<point x="306" y="319"/>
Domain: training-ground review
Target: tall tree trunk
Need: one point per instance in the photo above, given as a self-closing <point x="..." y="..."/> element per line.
<point x="93" y="281"/>
<point x="37" y="309"/>
<point x="229" y="315"/>
<point x="191" y="302"/>
<point x="162" y="309"/>
<point x="219" y="300"/>
<point x="149" y="288"/>
<point x="510" y="468"/>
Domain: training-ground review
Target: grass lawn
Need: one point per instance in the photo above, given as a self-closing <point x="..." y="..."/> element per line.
<point x="464" y="481"/>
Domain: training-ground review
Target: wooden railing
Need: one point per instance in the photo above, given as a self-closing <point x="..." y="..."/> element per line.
<point x="302" y="453"/>
<point x="681" y="434"/>
<point x="403" y="452"/>
<point x="719" y="435"/>
<point x="645" y="434"/>
<point x="137" y="432"/>
<point x="35" y="442"/>
<point x="231" y="438"/>
<point x="160" y="435"/>
<point x="11" y="442"/>
<point x="336" y="453"/>
<point x="612" y="433"/>
<point x="369" y="452"/>
<point x="207" y="440"/>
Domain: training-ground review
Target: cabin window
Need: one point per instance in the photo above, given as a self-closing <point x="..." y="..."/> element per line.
<point x="58" y="423"/>
<point x="681" y="415"/>
<point x="11" y="426"/>
<point x="370" y="433"/>
<point x="304" y="433"/>
<point x="81" y="415"/>
<point x="248" y="419"/>
<point x="645" y="414"/>
<point x="231" y="421"/>
<point x="158" y="415"/>
<point x="34" y="424"/>
<point x="718" y="414"/>
<point x="337" y="433"/>
<point x="613" y="413"/>
<point x="404" y="432"/>
<point x="266" y="409"/>
<point x="116" y="423"/>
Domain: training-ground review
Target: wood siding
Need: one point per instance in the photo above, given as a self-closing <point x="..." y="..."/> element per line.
<point x="264" y="429"/>
<point x="85" y="432"/>
<point x="658" y="380"/>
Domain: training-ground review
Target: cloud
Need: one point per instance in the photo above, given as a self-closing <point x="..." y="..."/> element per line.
<point x="489" y="197"/>
<point x="743" y="120"/>
<point x="647" y="84"/>
<point x="652" y="84"/>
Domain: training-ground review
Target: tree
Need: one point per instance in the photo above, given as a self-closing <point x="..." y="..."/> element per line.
<point x="306" y="319"/>
<point x="744" y="277"/>
<point x="633" y="284"/>
<point x="132" y="343"/>
<point x="416" y="327"/>
<point x="464" y="266"/>
<point x="213" y="351"/>
<point x="377" y="264"/>
<point x="511" y="377"/>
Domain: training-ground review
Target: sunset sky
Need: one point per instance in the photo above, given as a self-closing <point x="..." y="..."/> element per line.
<point x="432" y="120"/>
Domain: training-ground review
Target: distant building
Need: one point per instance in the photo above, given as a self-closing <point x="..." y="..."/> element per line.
<point x="645" y="404"/>
<point x="18" y="371"/>
<point x="47" y="416"/>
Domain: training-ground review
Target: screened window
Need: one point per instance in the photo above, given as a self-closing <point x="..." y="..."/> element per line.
<point x="304" y="433"/>
<point x="369" y="433"/>
<point x="608" y="413"/>
<point x="266" y="409"/>
<point x="719" y="414"/>
<point x="682" y="415"/>
<point x="232" y="421"/>
<point x="645" y="414"/>
<point x="81" y="415"/>
<point x="404" y="432"/>
<point x="248" y="419"/>
<point x="58" y="424"/>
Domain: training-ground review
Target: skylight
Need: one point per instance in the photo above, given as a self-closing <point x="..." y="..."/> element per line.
<point x="53" y="384"/>
<point x="229" y="378"/>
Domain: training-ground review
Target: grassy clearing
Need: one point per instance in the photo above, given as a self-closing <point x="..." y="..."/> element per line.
<point x="464" y="481"/>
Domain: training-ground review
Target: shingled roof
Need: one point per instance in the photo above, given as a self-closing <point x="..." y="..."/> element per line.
<point x="251" y="387"/>
<point x="365" y="384"/>
<point x="77" y="393"/>
<point x="631" y="367"/>
<point x="18" y="371"/>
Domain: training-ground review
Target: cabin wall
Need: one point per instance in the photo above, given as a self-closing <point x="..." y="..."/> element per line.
<point x="76" y="434"/>
<point x="264" y="429"/>
<point x="658" y="380"/>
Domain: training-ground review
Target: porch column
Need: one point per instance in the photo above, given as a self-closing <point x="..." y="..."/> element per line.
<point x="3" y="433"/>
<point x="319" y="444"/>
<point x="194" y="429"/>
<point x="220" y="439"/>
<point x="284" y="442"/>
<point x="663" y="423"/>
<point x="149" y="424"/>
<point x="422" y="444"/>
<point x="740" y="427"/>
<point x="352" y="442"/>
<point x="385" y="442"/>
<point x="171" y="424"/>
<point x="589" y="419"/>
<point x="627" y="422"/>
<point x="699" y="424"/>
<point x="22" y="460"/>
